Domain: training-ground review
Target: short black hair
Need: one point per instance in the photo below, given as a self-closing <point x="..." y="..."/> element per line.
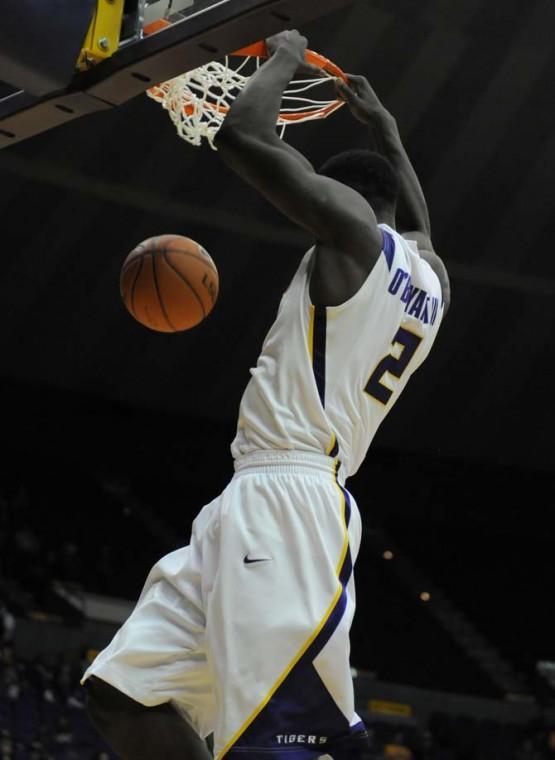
<point x="367" y="172"/>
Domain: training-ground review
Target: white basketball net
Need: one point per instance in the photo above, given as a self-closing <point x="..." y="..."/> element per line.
<point x="199" y="100"/>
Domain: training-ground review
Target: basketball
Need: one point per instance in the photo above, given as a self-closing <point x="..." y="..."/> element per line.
<point x="169" y="283"/>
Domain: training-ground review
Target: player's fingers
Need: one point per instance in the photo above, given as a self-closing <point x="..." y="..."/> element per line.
<point x="296" y="37"/>
<point x="316" y="71"/>
<point x="297" y="34"/>
<point x="291" y="36"/>
<point x="359" y="83"/>
<point x="356" y="79"/>
<point x="309" y="70"/>
<point x="344" y="91"/>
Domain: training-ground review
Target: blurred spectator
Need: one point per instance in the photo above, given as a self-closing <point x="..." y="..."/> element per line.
<point x="64" y="680"/>
<point x="63" y="735"/>
<point x="10" y="687"/>
<point x="39" y="752"/>
<point x="42" y="676"/>
<point x="66" y="684"/>
<point x="6" y="654"/>
<point x="7" y="625"/>
<point x="7" y="749"/>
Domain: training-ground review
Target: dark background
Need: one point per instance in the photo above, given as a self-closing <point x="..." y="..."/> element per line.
<point x="460" y="476"/>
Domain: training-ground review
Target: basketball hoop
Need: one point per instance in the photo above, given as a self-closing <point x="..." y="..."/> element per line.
<point x="199" y="100"/>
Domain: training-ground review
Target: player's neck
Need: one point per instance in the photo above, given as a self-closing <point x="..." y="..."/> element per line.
<point x="385" y="217"/>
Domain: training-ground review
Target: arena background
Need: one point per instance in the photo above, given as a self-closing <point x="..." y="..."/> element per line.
<point x="114" y="436"/>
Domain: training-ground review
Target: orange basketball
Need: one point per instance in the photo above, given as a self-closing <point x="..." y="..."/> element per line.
<point x="169" y="283"/>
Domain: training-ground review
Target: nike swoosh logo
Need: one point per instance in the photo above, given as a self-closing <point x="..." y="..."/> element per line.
<point x="249" y="561"/>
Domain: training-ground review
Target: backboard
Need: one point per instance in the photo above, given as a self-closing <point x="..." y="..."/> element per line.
<point x="123" y="50"/>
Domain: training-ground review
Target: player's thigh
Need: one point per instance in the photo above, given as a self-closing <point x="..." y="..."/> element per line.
<point x="136" y="731"/>
<point x="280" y="598"/>
<point x="158" y="655"/>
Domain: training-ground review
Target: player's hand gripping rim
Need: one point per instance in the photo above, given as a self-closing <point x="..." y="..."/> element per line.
<point x="361" y="99"/>
<point x="296" y="45"/>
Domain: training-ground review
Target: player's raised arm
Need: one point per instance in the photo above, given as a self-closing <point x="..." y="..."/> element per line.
<point x="412" y="216"/>
<point x="412" y="210"/>
<point x="332" y="212"/>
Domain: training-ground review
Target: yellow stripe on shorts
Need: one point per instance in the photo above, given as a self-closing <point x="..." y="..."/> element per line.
<point x="311" y="333"/>
<point x="310" y="639"/>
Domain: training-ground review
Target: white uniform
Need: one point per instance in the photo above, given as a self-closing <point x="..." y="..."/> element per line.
<point x="246" y="629"/>
<point x="362" y="353"/>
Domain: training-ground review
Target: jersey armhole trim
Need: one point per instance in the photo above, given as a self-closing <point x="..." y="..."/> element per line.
<point x="388" y="247"/>
<point x="388" y="252"/>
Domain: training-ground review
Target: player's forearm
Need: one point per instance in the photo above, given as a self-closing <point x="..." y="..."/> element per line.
<point x="412" y="209"/>
<point x="256" y="109"/>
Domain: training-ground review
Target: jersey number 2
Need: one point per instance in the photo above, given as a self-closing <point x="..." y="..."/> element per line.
<point x="395" y="366"/>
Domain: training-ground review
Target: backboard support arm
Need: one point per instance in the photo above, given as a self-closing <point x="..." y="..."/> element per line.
<point x="191" y="42"/>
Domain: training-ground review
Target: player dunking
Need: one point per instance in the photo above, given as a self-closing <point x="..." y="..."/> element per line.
<point x="245" y="632"/>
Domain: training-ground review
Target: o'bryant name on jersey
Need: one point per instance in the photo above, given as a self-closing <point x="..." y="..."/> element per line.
<point x="418" y="303"/>
<point x="300" y="739"/>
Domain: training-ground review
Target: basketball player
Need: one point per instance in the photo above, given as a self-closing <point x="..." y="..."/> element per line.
<point x="245" y="631"/>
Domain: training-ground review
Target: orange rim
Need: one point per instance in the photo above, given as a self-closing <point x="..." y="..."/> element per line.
<point x="259" y="50"/>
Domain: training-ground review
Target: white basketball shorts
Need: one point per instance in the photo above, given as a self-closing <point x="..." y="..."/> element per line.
<point x="246" y="630"/>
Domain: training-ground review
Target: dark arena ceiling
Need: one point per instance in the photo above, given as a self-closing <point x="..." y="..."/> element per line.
<point x="471" y="85"/>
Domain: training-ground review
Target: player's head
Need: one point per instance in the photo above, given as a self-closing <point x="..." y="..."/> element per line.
<point x="367" y="172"/>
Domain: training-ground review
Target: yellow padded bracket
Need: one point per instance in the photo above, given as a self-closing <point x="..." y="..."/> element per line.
<point x="102" y="39"/>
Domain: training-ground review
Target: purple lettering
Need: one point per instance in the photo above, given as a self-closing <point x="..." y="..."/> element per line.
<point x="425" y="316"/>
<point x="396" y="282"/>
<point x="435" y="307"/>
<point x="419" y="301"/>
<point x="407" y="292"/>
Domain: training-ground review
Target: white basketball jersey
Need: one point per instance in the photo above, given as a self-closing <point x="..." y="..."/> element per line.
<point x="327" y="376"/>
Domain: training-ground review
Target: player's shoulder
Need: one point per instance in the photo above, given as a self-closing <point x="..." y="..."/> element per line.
<point x="357" y="228"/>
<point x="428" y="253"/>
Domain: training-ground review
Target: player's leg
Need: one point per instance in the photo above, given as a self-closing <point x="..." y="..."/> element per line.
<point x="151" y="692"/>
<point x="279" y="613"/>
<point x="137" y="732"/>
